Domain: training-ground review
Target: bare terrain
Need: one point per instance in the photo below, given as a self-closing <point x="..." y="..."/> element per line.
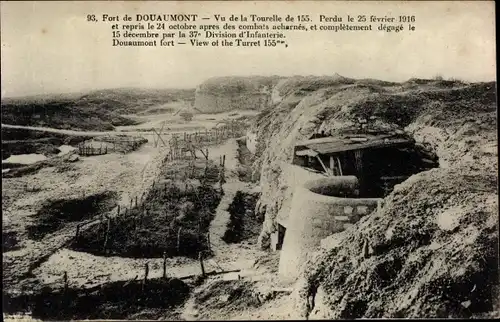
<point x="113" y="212"/>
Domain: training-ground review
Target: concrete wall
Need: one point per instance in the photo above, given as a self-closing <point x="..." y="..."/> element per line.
<point x="292" y="176"/>
<point x="208" y="102"/>
<point x="251" y="141"/>
<point x="314" y="216"/>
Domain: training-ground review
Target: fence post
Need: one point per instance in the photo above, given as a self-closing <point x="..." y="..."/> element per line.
<point x="164" y="264"/>
<point x="118" y="212"/>
<point x="208" y="241"/>
<point x="77" y="231"/>
<point x="200" y="256"/>
<point x="179" y="240"/>
<point x="106" y="235"/>
<point x="65" y="280"/>
<point x="146" y="272"/>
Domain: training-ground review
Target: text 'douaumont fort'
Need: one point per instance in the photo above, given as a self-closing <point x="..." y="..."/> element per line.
<point x="239" y="30"/>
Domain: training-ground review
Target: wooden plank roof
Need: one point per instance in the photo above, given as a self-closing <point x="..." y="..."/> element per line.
<point x="329" y="145"/>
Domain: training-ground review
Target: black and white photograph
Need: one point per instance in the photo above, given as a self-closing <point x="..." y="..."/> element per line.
<point x="249" y="160"/>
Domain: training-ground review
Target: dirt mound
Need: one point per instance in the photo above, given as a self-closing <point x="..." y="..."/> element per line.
<point x="431" y="251"/>
<point x="221" y="298"/>
<point x="307" y="84"/>
<point x="55" y="214"/>
<point x="96" y="110"/>
<point x="118" y="300"/>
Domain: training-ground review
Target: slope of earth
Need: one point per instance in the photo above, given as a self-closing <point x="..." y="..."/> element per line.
<point x="431" y="251"/>
<point x="98" y="110"/>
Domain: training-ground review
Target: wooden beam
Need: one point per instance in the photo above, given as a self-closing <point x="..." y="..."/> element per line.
<point x="340" y="166"/>
<point x="210" y="274"/>
<point x="323" y="165"/>
<point x="159" y="136"/>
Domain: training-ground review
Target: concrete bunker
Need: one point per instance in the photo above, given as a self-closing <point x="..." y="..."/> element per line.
<point x="320" y="208"/>
<point x="379" y="161"/>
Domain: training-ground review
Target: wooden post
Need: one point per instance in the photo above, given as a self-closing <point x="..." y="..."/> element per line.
<point x="146" y="272"/>
<point x="223" y="161"/>
<point x="200" y="256"/>
<point x="208" y="241"/>
<point x="106" y="235"/>
<point x="65" y="280"/>
<point x="164" y="264"/>
<point x="179" y="240"/>
<point x="77" y="231"/>
<point x="118" y="212"/>
<point x="136" y="201"/>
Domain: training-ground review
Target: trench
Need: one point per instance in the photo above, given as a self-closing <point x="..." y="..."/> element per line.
<point x="55" y="214"/>
<point x="243" y="223"/>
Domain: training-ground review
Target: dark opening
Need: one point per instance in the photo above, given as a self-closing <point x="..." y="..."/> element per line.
<point x="243" y="223"/>
<point x="281" y="236"/>
<point x="378" y="170"/>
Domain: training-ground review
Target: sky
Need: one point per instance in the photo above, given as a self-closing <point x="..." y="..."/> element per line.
<point x="50" y="47"/>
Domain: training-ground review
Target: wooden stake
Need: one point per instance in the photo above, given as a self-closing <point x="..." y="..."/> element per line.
<point x="118" y="212"/>
<point x="164" y="264"/>
<point x="106" y="235"/>
<point x="77" y="231"/>
<point x="65" y="279"/>
<point x="179" y="240"/>
<point x="208" y="241"/>
<point x="146" y="272"/>
<point x="200" y="256"/>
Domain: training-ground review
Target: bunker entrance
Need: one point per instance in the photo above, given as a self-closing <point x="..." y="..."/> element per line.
<point x="378" y="162"/>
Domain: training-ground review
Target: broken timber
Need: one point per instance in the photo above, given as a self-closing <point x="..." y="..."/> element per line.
<point x="212" y="273"/>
